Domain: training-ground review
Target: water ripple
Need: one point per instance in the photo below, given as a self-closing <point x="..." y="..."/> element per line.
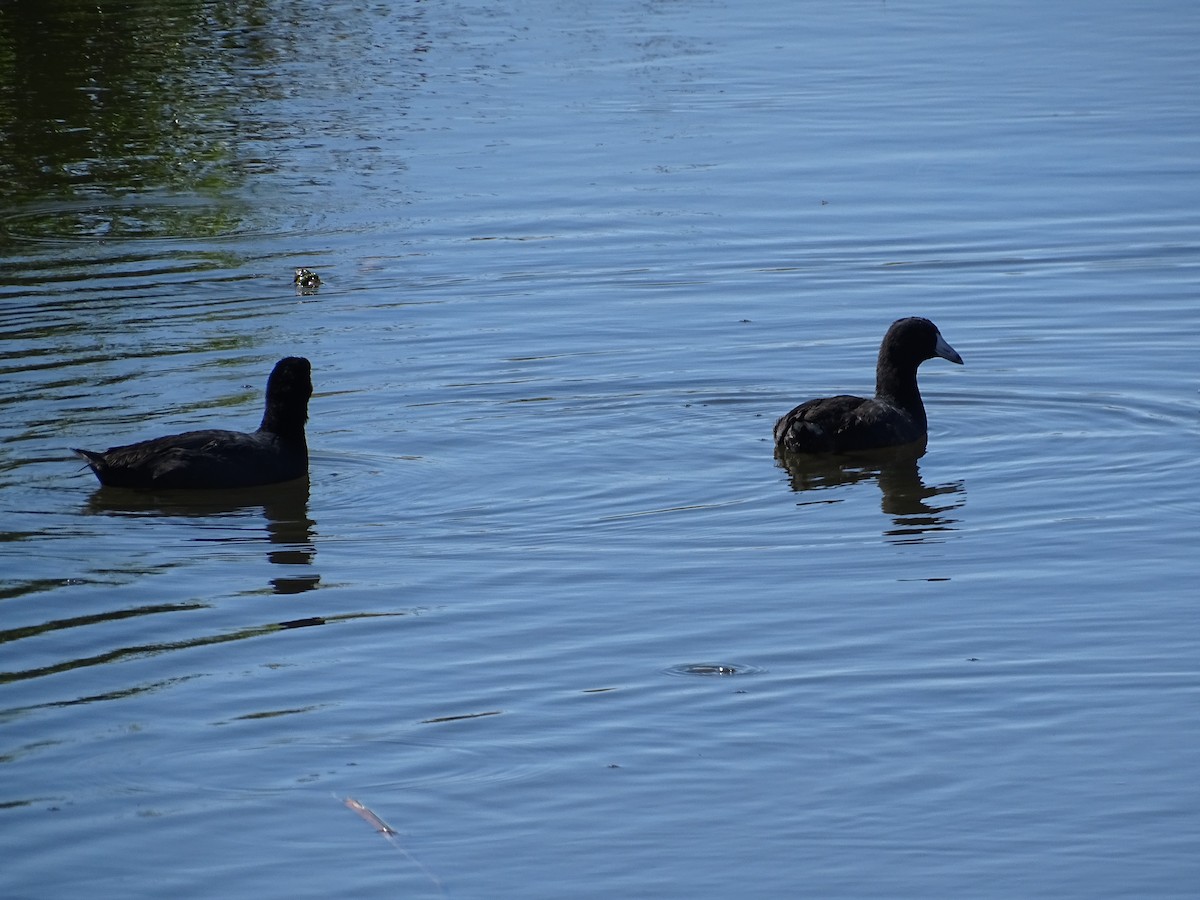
<point x="713" y="669"/>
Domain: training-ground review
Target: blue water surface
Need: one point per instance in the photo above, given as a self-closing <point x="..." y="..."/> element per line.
<point x="548" y="619"/>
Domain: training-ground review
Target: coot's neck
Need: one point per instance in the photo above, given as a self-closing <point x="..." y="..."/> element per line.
<point x="286" y="421"/>
<point x="897" y="384"/>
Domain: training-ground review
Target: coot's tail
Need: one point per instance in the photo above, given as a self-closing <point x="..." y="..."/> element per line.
<point x="94" y="460"/>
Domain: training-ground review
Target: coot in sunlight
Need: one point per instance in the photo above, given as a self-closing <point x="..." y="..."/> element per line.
<point x="212" y="458"/>
<point x="894" y="416"/>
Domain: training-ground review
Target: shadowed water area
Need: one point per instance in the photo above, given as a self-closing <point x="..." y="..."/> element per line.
<point x="547" y="618"/>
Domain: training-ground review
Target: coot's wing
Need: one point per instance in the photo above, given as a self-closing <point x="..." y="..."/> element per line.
<point x="845" y="424"/>
<point x="197" y="459"/>
<point x="816" y="425"/>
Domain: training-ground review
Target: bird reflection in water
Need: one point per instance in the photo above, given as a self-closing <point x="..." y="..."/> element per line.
<point x="919" y="511"/>
<point x="289" y="529"/>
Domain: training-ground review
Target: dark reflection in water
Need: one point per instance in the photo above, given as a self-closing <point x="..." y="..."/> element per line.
<point x="133" y="651"/>
<point x="290" y="531"/>
<point x="917" y="513"/>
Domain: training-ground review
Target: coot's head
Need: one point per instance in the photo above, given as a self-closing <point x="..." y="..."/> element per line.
<point x="290" y="385"/>
<point x="911" y="341"/>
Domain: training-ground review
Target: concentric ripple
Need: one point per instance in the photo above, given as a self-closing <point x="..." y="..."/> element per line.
<point x="711" y="669"/>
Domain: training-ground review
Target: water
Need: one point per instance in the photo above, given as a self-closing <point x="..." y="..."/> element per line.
<point x="548" y="607"/>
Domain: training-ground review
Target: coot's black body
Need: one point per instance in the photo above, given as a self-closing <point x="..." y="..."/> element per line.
<point x="894" y="416"/>
<point x="212" y="458"/>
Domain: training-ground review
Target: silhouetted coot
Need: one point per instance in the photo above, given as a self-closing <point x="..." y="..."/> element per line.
<point x="276" y="452"/>
<point x="894" y="416"/>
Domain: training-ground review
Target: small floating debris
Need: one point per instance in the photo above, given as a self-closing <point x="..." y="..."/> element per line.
<point x="392" y="836"/>
<point x="307" y="280"/>
<point x="370" y="817"/>
<point x="710" y="669"/>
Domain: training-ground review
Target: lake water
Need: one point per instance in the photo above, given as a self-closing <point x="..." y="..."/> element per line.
<point x="547" y="606"/>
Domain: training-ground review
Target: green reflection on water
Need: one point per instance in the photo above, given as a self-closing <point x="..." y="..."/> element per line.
<point x="106" y="104"/>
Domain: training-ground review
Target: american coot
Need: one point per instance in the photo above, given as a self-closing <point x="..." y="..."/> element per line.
<point x="276" y="452"/>
<point x="894" y="416"/>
